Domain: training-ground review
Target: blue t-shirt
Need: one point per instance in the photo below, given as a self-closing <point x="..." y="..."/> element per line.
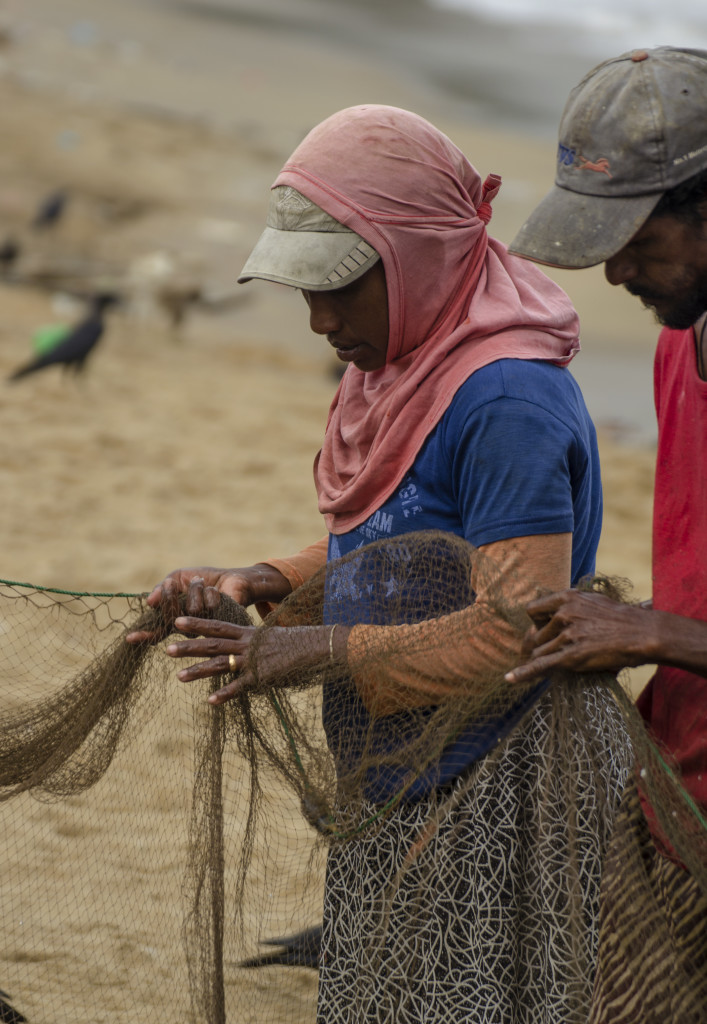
<point x="514" y="455"/>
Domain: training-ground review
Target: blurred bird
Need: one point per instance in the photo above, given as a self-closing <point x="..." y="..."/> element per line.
<point x="299" y="950"/>
<point x="72" y="351"/>
<point x="178" y="298"/>
<point x="50" y="210"/>
<point x="337" y="371"/>
<point x="8" y="1014"/>
<point x="9" y="251"/>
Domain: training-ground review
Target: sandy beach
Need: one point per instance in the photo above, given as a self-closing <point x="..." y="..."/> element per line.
<point x="193" y="445"/>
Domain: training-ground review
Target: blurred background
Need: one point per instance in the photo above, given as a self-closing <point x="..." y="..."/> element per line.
<point x="140" y="140"/>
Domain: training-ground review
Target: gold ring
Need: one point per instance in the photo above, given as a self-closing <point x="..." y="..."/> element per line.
<point x="232" y="663"/>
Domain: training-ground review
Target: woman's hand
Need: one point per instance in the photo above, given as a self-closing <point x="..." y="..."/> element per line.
<point x="222" y="644"/>
<point x="281" y="651"/>
<point x="202" y="589"/>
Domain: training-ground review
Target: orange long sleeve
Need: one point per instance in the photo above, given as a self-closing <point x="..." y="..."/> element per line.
<point x="426" y="661"/>
<point x="297" y="569"/>
<point x="301" y="567"/>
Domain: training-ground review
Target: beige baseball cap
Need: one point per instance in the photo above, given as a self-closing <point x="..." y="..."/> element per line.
<point x="633" y="128"/>
<point x="305" y="247"/>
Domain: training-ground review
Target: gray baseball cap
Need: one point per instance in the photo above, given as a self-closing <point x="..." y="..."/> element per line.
<point x="304" y="247"/>
<point x="633" y="128"/>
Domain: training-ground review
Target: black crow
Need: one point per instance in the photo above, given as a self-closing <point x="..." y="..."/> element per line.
<point x="73" y="350"/>
<point x="299" y="950"/>
<point x="8" y="1014"/>
<point x="9" y="251"/>
<point x="50" y="210"/>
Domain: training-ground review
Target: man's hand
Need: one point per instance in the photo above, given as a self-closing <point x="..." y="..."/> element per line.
<point x="583" y="632"/>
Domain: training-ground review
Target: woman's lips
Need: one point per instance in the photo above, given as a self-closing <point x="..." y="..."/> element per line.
<point x="349" y="354"/>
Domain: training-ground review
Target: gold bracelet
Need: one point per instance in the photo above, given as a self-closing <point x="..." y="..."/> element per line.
<point x="331" y="643"/>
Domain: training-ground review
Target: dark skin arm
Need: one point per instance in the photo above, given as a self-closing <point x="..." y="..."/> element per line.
<point x="218" y="641"/>
<point x="584" y="632"/>
<point x="283" y="649"/>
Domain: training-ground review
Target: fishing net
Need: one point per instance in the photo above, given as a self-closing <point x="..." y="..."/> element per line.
<point x="154" y="846"/>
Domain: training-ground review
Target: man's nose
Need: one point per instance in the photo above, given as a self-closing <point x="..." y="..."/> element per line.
<point x="620" y="268"/>
<point x="323" y="316"/>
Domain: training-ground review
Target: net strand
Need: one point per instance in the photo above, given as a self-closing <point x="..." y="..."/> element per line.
<point x="273" y="794"/>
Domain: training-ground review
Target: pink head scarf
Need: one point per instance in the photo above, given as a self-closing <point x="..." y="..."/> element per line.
<point x="457" y="300"/>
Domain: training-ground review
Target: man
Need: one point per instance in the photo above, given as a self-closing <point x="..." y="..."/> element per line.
<point x="631" y="192"/>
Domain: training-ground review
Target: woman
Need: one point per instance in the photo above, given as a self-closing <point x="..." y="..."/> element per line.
<point x="456" y="413"/>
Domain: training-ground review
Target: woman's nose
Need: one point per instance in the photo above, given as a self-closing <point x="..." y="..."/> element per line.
<point x="323" y="317"/>
<point x="620" y="268"/>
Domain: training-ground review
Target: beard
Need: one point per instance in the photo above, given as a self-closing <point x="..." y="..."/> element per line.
<point x="681" y="309"/>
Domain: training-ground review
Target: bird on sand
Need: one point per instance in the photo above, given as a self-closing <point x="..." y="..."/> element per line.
<point x="9" y="252"/>
<point x="50" y="210"/>
<point x="178" y="297"/>
<point x="73" y="350"/>
<point x="8" y="1014"/>
<point x="298" y="950"/>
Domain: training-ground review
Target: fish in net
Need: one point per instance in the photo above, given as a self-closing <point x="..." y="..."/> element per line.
<point x="152" y="843"/>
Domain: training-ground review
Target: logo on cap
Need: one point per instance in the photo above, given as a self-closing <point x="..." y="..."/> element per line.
<point x="568" y="157"/>
<point x="290" y="206"/>
<point x="601" y="165"/>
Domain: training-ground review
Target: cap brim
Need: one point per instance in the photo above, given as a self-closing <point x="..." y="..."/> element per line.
<point x="302" y="259"/>
<point x="571" y="230"/>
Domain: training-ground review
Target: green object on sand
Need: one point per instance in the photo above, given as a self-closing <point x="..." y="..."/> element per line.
<point x="46" y="338"/>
